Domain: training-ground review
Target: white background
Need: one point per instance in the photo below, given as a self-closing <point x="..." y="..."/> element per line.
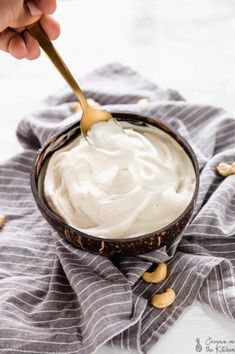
<point x="188" y="45"/>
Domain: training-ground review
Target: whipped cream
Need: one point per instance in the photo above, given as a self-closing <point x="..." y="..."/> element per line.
<point x="121" y="185"/>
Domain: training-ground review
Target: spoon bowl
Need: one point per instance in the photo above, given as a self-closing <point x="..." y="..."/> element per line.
<point x="92" y="116"/>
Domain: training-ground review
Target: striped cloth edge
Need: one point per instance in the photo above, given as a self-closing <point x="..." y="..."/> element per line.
<point x="59" y="299"/>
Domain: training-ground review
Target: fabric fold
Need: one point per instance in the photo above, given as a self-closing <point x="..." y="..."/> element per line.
<point x="55" y="298"/>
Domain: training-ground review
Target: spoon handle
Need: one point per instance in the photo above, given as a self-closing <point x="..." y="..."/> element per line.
<point x="38" y="33"/>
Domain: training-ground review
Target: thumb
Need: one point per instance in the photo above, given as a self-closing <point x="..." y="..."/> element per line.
<point x="28" y="14"/>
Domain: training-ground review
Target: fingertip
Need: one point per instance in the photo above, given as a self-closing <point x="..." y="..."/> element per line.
<point x="56" y="31"/>
<point x="33" y="50"/>
<point x="51" y="7"/>
<point x="50" y="26"/>
<point x="17" y="47"/>
<point x="47" y="7"/>
<point x="33" y="54"/>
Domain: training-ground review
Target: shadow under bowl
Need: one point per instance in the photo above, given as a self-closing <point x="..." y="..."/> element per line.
<point x="105" y="246"/>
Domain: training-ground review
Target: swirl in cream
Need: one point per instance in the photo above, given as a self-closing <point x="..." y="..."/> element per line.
<point x="122" y="185"/>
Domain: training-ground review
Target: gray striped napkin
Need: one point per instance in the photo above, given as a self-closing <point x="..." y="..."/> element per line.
<point x="58" y="299"/>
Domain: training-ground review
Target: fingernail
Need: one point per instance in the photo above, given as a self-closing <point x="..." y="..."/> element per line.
<point x="33" y="9"/>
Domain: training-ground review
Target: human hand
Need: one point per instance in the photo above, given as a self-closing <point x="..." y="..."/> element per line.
<point x="15" y="15"/>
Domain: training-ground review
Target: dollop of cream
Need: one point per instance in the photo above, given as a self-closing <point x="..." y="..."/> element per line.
<point x="120" y="185"/>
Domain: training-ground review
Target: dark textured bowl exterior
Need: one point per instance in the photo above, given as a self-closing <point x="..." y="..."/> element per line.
<point x="109" y="247"/>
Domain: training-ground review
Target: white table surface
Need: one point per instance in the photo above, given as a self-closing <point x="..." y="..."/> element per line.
<point x="183" y="44"/>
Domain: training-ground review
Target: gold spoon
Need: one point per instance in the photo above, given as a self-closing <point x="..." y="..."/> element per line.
<point x="90" y="115"/>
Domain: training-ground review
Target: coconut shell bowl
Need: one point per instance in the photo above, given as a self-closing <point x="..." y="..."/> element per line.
<point x="107" y="246"/>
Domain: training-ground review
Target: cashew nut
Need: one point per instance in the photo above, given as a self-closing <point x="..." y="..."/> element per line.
<point x="143" y="101"/>
<point x="163" y="300"/>
<point x="92" y="102"/>
<point x="226" y="169"/>
<point x="2" y="221"/>
<point x="157" y="276"/>
<point x="77" y="107"/>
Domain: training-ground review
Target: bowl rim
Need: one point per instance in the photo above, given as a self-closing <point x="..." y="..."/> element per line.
<point x="182" y="142"/>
